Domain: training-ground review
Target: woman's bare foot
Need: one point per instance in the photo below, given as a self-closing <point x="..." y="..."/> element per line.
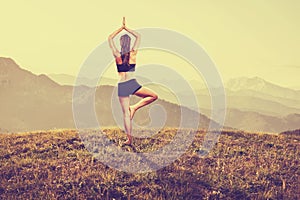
<point x="127" y="142"/>
<point x="132" y="111"/>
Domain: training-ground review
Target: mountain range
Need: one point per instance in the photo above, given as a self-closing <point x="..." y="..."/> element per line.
<point x="30" y="102"/>
<point x="252" y="103"/>
<point x="36" y="102"/>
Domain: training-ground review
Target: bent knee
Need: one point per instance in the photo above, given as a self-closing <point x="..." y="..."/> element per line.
<point x="154" y="97"/>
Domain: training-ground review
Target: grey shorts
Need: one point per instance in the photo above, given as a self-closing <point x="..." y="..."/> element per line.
<point x="129" y="87"/>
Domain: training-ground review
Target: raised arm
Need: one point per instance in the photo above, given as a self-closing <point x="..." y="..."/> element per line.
<point x="137" y="38"/>
<point x="112" y="43"/>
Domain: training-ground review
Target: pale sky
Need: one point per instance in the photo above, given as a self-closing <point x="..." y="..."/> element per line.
<point x="243" y="38"/>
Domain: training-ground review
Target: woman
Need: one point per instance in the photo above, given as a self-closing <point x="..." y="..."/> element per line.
<point x="128" y="85"/>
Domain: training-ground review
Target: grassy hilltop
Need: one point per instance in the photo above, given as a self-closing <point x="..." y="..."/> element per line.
<point x="55" y="164"/>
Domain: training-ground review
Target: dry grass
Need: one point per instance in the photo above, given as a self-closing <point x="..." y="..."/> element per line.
<point x="55" y="164"/>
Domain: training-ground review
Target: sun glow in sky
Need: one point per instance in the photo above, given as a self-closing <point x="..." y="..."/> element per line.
<point x="243" y="38"/>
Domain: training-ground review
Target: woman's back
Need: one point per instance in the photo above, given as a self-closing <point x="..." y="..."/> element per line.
<point x="126" y="70"/>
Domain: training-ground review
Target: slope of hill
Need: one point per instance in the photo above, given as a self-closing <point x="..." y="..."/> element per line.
<point x="262" y="106"/>
<point x="57" y="165"/>
<point x="13" y="77"/>
<point x="246" y="103"/>
<point x="290" y="103"/>
<point x="254" y="121"/>
<point x="31" y="102"/>
<point x="65" y="79"/>
<point x="291" y="132"/>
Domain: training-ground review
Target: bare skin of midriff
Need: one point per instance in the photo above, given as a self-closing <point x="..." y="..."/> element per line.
<point x="125" y="76"/>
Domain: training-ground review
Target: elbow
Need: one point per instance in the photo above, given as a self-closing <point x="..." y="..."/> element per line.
<point x="138" y="35"/>
<point x="110" y="37"/>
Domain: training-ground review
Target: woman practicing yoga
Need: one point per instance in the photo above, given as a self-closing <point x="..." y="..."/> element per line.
<point x="128" y="85"/>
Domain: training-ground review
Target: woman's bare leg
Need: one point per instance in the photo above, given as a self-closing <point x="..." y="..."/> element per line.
<point x="148" y="96"/>
<point x="124" y="101"/>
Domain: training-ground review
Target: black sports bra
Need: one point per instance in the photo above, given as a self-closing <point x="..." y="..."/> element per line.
<point x="124" y="67"/>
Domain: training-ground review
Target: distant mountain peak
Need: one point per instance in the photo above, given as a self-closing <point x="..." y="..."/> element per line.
<point x="12" y="75"/>
<point x="8" y="63"/>
<point x="257" y="84"/>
